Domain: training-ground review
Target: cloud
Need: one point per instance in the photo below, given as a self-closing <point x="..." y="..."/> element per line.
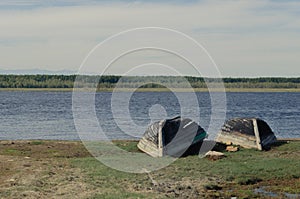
<point x="242" y="36"/>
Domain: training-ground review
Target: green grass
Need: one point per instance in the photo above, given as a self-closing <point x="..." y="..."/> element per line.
<point x="37" y="142"/>
<point x="249" y="164"/>
<point x="123" y="194"/>
<point x="112" y="183"/>
<point x="130" y="146"/>
<point x="241" y="169"/>
<point x="11" y="152"/>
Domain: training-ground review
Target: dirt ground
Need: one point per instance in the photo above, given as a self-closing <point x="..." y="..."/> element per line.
<point x="41" y="169"/>
<point x="45" y="169"/>
<point x="33" y="169"/>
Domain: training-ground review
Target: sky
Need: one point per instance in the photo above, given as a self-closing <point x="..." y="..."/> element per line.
<point x="244" y="38"/>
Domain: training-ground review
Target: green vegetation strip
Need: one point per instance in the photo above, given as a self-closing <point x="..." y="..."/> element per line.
<point x="159" y="82"/>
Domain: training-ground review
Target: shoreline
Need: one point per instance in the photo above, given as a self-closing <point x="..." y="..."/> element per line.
<point x="115" y="142"/>
<point x="295" y="90"/>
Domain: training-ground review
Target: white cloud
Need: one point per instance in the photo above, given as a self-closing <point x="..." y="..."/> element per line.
<point x="242" y="36"/>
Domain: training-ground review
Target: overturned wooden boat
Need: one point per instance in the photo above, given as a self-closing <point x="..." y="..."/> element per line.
<point x="173" y="137"/>
<point x="247" y="132"/>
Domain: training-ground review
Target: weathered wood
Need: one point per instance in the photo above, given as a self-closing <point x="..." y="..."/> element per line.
<point x="288" y="139"/>
<point x="232" y="148"/>
<point x="214" y="155"/>
<point x="160" y="144"/>
<point x="173" y="137"/>
<point x="246" y="132"/>
<point x="257" y="136"/>
<point x="246" y="142"/>
<point x="149" y="148"/>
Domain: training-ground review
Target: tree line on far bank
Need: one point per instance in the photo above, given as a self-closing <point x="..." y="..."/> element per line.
<point x="111" y="81"/>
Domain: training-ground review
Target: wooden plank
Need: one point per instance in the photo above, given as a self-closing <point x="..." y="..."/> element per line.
<point x="160" y="143"/>
<point x="237" y="140"/>
<point x="256" y="132"/>
<point x="148" y="147"/>
<point x="288" y="139"/>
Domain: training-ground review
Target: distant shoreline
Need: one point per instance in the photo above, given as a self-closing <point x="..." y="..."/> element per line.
<point x="147" y="83"/>
<point x="155" y="89"/>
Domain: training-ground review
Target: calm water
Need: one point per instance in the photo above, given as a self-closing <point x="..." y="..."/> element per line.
<point x="48" y="115"/>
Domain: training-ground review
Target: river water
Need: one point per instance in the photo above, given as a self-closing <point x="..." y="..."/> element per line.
<point x="48" y="115"/>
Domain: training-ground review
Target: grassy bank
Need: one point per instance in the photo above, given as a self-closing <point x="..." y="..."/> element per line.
<point x="63" y="169"/>
<point x="156" y="89"/>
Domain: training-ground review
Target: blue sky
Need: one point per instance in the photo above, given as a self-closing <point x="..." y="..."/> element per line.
<point x="245" y="38"/>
